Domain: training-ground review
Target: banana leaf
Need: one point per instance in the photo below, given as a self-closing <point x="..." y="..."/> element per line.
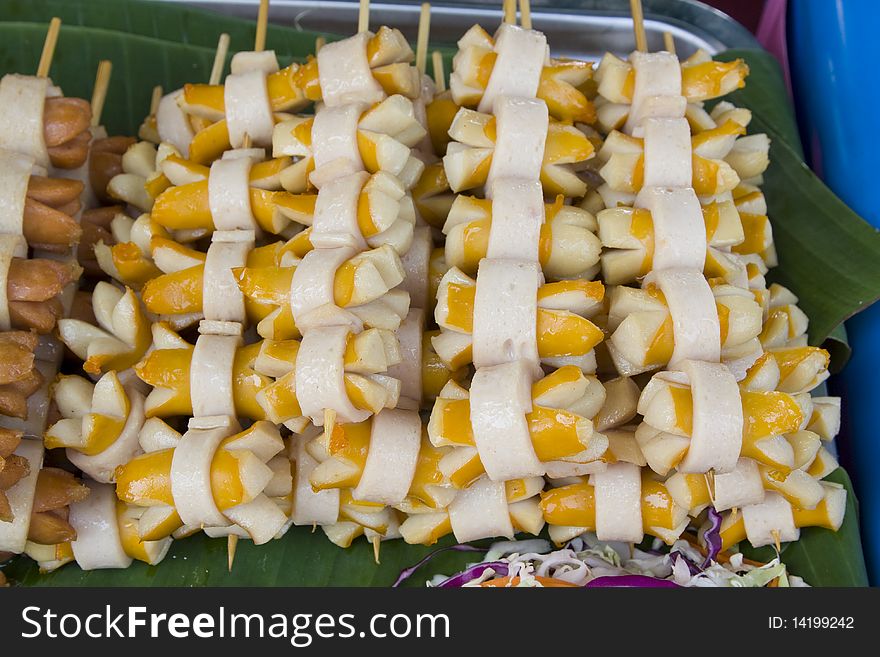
<point x="818" y="238"/>
<point x="167" y="21"/>
<point x="821" y="557"/>
<point x="827" y="253"/>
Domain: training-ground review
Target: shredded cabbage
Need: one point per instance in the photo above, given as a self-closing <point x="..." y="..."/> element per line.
<point x="585" y="559"/>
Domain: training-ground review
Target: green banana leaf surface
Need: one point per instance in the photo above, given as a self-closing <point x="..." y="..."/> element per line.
<point x="828" y="256"/>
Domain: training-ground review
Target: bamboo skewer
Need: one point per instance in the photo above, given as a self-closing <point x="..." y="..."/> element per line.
<point x="439" y="73"/>
<point x="320" y="42"/>
<point x="525" y="14"/>
<point x="219" y="59"/>
<point x="329" y="423"/>
<point x="99" y="94"/>
<point x="669" y="42"/>
<point x="422" y="39"/>
<point x="509" y="12"/>
<point x="154" y="101"/>
<point x="262" y="22"/>
<point x="49" y="48"/>
<point x="639" y="25"/>
<point x="364" y="16"/>
<point x="231" y="546"/>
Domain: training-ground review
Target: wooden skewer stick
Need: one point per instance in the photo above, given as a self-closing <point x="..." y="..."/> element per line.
<point x="710" y="484"/>
<point x="776" y="540"/>
<point x="99" y="93"/>
<point x="639" y="25"/>
<point x="377" y="544"/>
<point x="320" y="42"/>
<point x="525" y="14"/>
<point x="509" y="12"/>
<point x="154" y="102"/>
<point x="219" y="59"/>
<point x="364" y="16"/>
<point x="329" y="423"/>
<point x="422" y="39"/>
<point x="262" y="23"/>
<point x="49" y="48"/>
<point x="439" y="73"/>
<point x="231" y="545"/>
<point x="669" y="42"/>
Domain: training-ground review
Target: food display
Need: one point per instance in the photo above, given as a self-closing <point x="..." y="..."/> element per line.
<point x="335" y="294"/>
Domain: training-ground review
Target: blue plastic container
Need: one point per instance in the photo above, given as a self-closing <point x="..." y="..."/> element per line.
<point x="834" y="50"/>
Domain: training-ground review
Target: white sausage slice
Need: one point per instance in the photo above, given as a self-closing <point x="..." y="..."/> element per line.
<point x="716" y="438"/>
<point x="13" y="535"/>
<point x="22" y="101"/>
<point x="618" y="491"/>
<point x="310" y="507"/>
<point x="395" y="438"/>
<point x="770" y="519"/>
<point x="248" y="109"/>
<point x="415" y="266"/>
<point x="480" y="511"/>
<point x="657" y="88"/>
<point x="521" y="129"/>
<point x="334" y="137"/>
<point x="320" y="376"/>
<point x="409" y="369"/>
<point x="312" y="301"/>
<point x="740" y="487"/>
<point x="98" y="543"/>
<point x="679" y="228"/>
<point x="521" y="55"/>
<point x="245" y="61"/>
<point x="15" y="174"/>
<point x="173" y="123"/>
<point x="335" y="221"/>
<point x="229" y="194"/>
<point x="261" y="518"/>
<point x="344" y="72"/>
<point x="222" y="298"/>
<point x="517" y="217"/>
<point x="695" y="322"/>
<point x="211" y="375"/>
<point x="667" y="153"/>
<point x="505" y="313"/>
<point x="191" y="471"/>
<point x="500" y="398"/>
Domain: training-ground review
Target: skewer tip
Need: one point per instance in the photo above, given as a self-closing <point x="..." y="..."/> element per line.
<point x="99" y="94"/>
<point x="439" y="73"/>
<point x="231" y="546"/>
<point x="422" y="38"/>
<point x="154" y="102"/>
<point x="525" y="14"/>
<point x="509" y="7"/>
<point x="377" y="546"/>
<point x="364" y="16"/>
<point x="776" y="540"/>
<point x="219" y="59"/>
<point x="49" y="48"/>
<point x="262" y="23"/>
<point x="638" y="18"/>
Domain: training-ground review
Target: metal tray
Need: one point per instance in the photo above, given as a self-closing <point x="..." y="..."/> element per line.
<point x="585" y="29"/>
